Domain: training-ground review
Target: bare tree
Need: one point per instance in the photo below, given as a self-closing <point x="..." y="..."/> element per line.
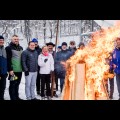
<point x="27" y="30"/>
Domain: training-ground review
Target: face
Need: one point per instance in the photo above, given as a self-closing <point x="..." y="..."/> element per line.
<point x="58" y="49"/>
<point x="82" y="47"/>
<point x="36" y="44"/>
<point x="72" y="44"/>
<point x="32" y="46"/>
<point x="64" y="47"/>
<point x="1" y="42"/>
<point x="118" y="42"/>
<point x="50" y="47"/>
<point x="45" y="50"/>
<point x="15" y="40"/>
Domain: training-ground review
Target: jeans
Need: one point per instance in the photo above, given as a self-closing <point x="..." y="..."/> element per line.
<point x="118" y="83"/>
<point x="2" y="86"/>
<point x="30" y="82"/>
<point x="62" y="83"/>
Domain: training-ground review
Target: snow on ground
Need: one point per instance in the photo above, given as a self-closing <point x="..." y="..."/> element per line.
<point x="22" y="91"/>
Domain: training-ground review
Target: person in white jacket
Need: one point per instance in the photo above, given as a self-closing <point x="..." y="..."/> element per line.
<point x="46" y="63"/>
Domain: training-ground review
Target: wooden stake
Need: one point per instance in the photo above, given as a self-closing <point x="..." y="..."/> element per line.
<point x="79" y="83"/>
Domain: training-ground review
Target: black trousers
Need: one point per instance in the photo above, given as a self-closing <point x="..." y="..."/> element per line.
<point x="14" y="86"/>
<point x="38" y="82"/>
<point x="56" y="82"/>
<point x="2" y="86"/>
<point x="45" y="80"/>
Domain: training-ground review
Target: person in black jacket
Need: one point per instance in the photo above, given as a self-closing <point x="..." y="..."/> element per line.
<point x="51" y="46"/>
<point x="60" y="58"/>
<point x="3" y="68"/>
<point x="14" y="51"/>
<point x="72" y="47"/>
<point x="38" y="81"/>
<point x="30" y="68"/>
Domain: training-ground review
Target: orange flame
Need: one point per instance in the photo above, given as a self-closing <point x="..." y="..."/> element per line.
<point x="94" y="55"/>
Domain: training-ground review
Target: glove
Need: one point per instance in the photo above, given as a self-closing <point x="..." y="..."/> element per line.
<point x="26" y="73"/>
<point x="45" y="60"/>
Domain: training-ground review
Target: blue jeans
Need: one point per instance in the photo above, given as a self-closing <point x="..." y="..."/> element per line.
<point x="118" y="83"/>
<point x="62" y="83"/>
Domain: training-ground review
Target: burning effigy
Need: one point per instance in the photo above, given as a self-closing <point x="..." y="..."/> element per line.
<point x="87" y="70"/>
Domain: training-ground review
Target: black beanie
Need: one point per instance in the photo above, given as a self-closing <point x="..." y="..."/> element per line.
<point x="64" y="43"/>
<point x="1" y="37"/>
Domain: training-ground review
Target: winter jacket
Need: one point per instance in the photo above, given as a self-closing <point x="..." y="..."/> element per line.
<point x="63" y="55"/>
<point x="30" y="60"/>
<point x="38" y="49"/>
<point x="46" y="67"/>
<point x="73" y="50"/>
<point x="14" y="57"/>
<point x="116" y="60"/>
<point x="3" y="61"/>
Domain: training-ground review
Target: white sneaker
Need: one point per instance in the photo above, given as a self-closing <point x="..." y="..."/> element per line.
<point x="42" y="98"/>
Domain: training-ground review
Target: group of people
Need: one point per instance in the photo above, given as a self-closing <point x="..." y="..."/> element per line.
<point x="38" y="65"/>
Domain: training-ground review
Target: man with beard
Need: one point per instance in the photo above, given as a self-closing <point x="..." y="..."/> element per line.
<point x="14" y="51"/>
<point x="51" y="46"/>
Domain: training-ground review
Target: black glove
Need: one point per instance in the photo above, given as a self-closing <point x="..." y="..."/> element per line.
<point x="45" y="60"/>
<point x="26" y="73"/>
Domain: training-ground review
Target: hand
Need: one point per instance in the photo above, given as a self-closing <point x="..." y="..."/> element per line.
<point x="64" y="64"/>
<point x="114" y="66"/>
<point x="11" y="73"/>
<point x="0" y="78"/>
<point x="45" y="60"/>
<point x="26" y="73"/>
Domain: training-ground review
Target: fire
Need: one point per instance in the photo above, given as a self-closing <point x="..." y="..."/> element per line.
<point x="94" y="55"/>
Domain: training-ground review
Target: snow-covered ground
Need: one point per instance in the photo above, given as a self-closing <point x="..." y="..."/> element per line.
<point x="22" y="91"/>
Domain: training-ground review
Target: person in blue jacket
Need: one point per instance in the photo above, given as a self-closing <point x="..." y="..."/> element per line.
<point x="116" y="63"/>
<point x="110" y="80"/>
<point x="3" y="68"/>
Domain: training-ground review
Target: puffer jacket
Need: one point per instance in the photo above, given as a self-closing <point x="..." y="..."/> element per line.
<point x="30" y="60"/>
<point x="63" y="55"/>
